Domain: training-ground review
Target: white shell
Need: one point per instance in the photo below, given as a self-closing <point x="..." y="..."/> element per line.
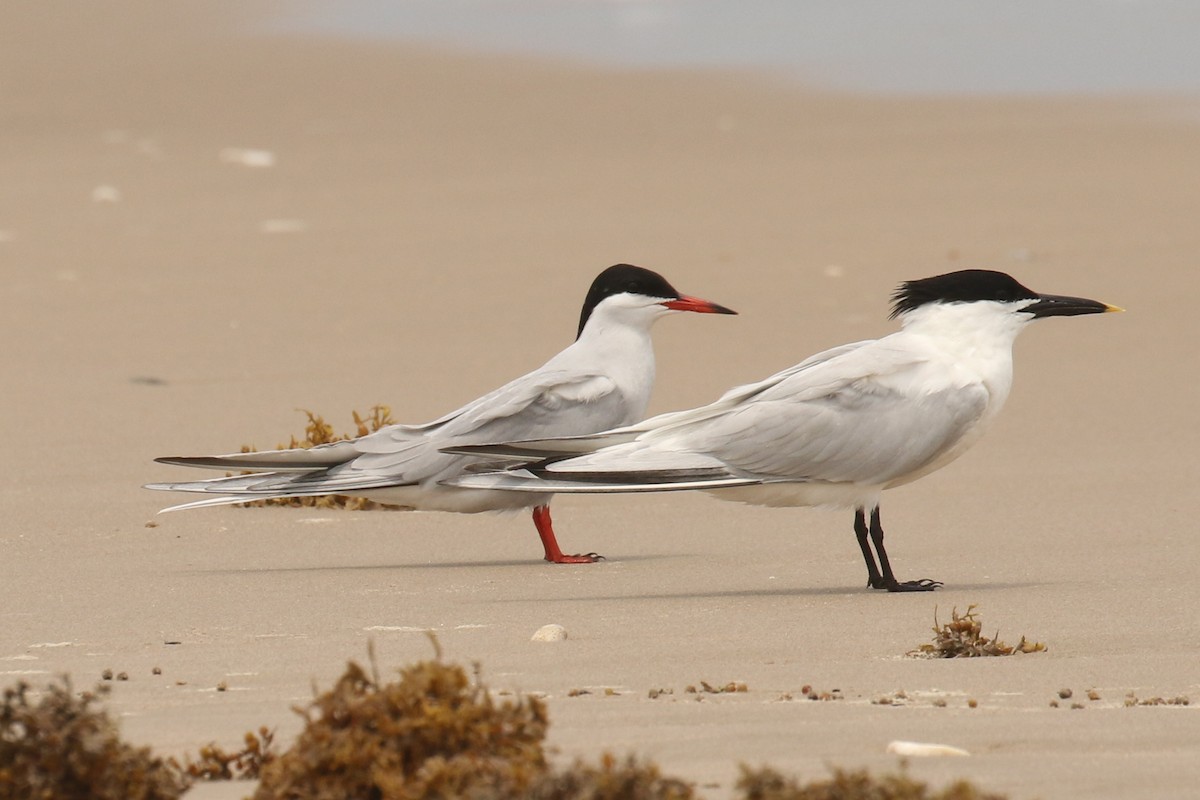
<point x="921" y="749"/>
<point x="549" y="633"/>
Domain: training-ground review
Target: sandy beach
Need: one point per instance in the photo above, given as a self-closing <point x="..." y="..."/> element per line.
<point x="203" y="230"/>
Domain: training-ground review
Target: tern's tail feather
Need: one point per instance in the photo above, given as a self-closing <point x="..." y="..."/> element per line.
<point x="539" y="449"/>
<point x="525" y="480"/>
<point x="296" y="460"/>
<point x="271" y="485"/>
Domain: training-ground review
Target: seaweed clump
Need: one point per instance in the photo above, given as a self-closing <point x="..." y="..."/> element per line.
<point x="62" y="746"/>
<point x="630" y="779"/>
<point x="318" y="432"/>
<point x="962" y="637"/>
<point x="214" y="763"/>
<point x="433" y="733"/>
<point x="768" y="784"/>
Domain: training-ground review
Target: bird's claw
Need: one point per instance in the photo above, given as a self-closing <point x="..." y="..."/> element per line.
<point x="577" y="558"/>
<point x="922" y="585"/>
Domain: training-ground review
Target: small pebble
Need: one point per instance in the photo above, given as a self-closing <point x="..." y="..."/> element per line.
<point x="156" y="671"/>
<point x="222" y="686"/>
<point x="549" y="633"/>
<point x="106" y="675"/>
<point x="1093" y="694"/>
<point x="1065" y="694"/>
<point x="972" y="703"/>
<point x="122" y="676"/>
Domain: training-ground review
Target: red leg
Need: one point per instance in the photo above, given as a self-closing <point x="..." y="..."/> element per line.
<point x="545" y="529"/>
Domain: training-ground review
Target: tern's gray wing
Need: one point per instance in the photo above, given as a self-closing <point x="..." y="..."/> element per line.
<point x="867" y="414"/>
<point x="556" y="403"/>
<point x="860" y="433"/>
<point x="553" y="447"/>
<point x="553" y="403"/>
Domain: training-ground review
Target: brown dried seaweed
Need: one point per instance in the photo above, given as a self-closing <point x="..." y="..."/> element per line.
<point x="62" y="746"/>
<point x="768" y="784"/>
<point x="318" y="432"/>
<point x="962" y="637"/>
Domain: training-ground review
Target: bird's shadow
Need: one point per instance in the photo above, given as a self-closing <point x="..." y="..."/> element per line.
<point x="549" y="569"/>
<point x="783" y="591"/>
<point x="524" y="562"/>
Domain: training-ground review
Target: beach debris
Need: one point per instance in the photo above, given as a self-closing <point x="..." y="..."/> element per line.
<point x="549" y="633"/>
<point x="435" y="732"/>
<point x="1131" y="700"/>
<point x="248" y="157"/>
<point x="809" y="693"/>
<point x="629" y="779"/>
<point x="1092" y="694"/>
<point x="730" y="688"/>
<point x="962" y="637"/>
<point x="62" y="745"/>
<point x="318" y="431"/>
<point x="1065" y="694"/>
<point x="432" y="733"/>
<point x="765" y="783"/>
<point x="222" y="686"/>
<point x="897" y="698"/>
<point x="214" y="763"/>
<point x="900" y="747"/>
<point x="654" y="694"/>
<point x="106" y="194"/>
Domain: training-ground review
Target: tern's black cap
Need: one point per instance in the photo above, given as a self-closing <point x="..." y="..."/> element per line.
<point x="964" y="286"/>
<point x="624" y="279"/>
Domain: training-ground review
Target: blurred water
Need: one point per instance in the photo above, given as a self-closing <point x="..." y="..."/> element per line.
<point x="892" y="46"/>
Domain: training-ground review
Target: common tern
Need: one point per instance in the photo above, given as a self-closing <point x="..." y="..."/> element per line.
<point x="835" y="430"/>
<point x="602" y="380"/>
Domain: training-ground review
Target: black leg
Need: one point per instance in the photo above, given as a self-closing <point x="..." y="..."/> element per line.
<point x="874" y="579"/>
<point x="887" y="577"/>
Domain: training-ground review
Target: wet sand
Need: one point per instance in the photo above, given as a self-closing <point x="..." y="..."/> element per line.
<point x="427" y="230"/>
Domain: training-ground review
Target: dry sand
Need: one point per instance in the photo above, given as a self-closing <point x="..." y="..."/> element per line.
<point x="427" y="231"/>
